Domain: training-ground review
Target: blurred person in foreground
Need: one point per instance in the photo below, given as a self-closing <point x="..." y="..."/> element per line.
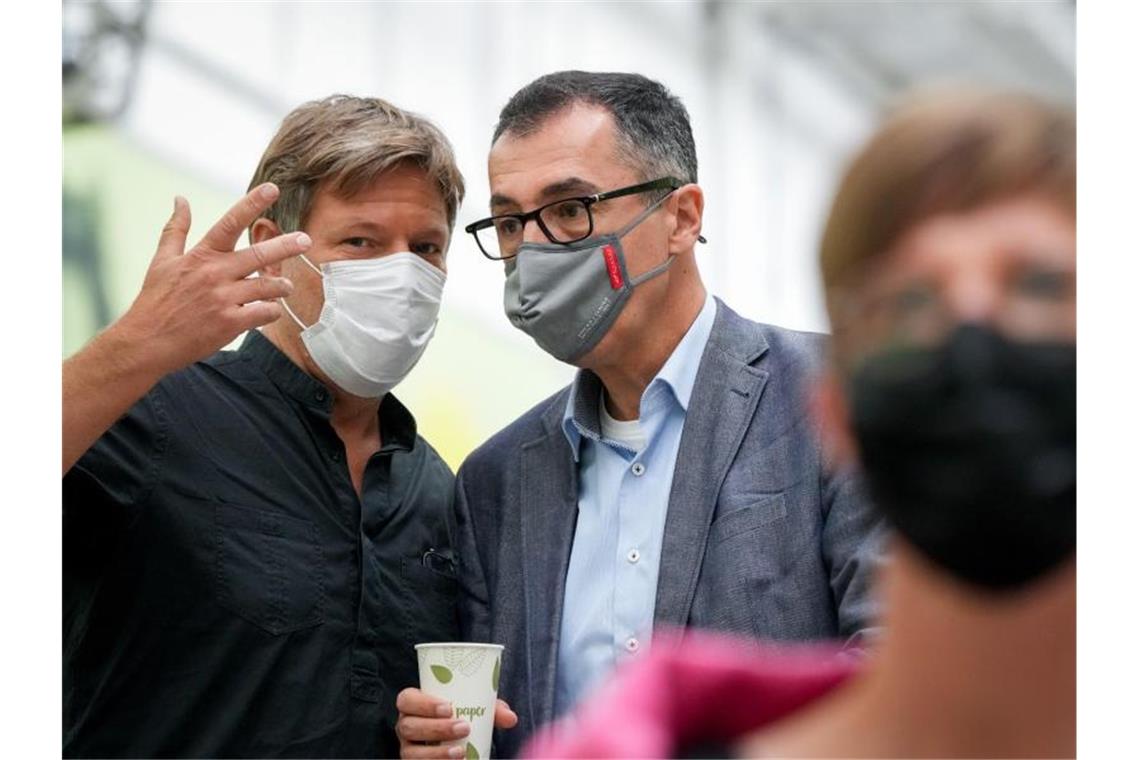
<point x="949" y="264"/>
<point x="254" y="539"/>
<point x="679" y="481"/>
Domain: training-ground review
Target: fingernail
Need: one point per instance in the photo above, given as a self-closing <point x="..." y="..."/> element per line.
<point x="269" y="191"/>
<point x="288" y="283"/>
<point x="460" y="728"/>
<point x="456" y="751"/>
<point x="443" y="711"/>
<point x="304" y="240"/>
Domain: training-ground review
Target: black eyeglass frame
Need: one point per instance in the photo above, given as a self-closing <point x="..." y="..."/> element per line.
<point x="669" y="183"/>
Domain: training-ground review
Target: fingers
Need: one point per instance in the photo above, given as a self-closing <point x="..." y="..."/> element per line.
<point x="172" y="242"/>
<point x="259" y="289"/>
<point x="255" y="314"/>
<point x="260" y="255"/>
<point x="505" y="717"/>
<point x="224" y="235"/>
<point x="424" y="718"/>
<point x="417" y="751"/>
<point x="416" y="703"/>
<point x="413" y="729"/>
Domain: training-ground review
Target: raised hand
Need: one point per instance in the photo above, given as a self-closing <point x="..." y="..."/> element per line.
<point x="193" y="302"/>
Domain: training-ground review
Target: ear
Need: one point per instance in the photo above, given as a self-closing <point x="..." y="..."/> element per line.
<point x="829" y="409"/>
<point x="262" y="231"/>
<point x="688" y="212"/>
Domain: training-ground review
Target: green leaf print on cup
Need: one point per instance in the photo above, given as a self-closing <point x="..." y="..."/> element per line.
<point x="495" y="676"/>
<point x="472" y="753"/>
<point x="442" y="674"/>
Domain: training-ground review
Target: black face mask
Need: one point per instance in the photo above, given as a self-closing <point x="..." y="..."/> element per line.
<point x="970" y="450"/>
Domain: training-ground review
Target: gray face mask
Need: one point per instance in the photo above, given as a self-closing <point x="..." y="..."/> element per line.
<point x="567" y="297"/>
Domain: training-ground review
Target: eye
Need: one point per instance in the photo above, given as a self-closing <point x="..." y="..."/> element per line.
<point x="913" y="300"/>
<point x="508" y="226"/>
<point x="357" y="242"/>
<point x="569" y="210"/>
<point x="1044" y="284"/>
<point x="427" y="249"/>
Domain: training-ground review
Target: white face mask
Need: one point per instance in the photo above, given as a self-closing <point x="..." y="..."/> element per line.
<point x="378" y="317"/>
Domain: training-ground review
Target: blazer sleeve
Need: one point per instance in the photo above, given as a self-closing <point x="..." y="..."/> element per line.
<point x="854" y="537"/>
<point x="474" y="597"/>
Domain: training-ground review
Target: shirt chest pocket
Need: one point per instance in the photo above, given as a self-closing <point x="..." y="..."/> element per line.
<point x="268" y="568"/>
<point x="430" y="600"/>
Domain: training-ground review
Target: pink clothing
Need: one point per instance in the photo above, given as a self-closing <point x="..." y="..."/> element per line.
<point x="704" y="688"/>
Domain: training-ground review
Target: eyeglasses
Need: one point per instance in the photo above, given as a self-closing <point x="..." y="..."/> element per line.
<point x="564" y="221"/>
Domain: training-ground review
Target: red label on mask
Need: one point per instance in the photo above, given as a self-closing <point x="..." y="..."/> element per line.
<point x="612" y="267"/>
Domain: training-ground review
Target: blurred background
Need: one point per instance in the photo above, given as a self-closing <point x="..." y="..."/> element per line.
<point x="166" y="98"/>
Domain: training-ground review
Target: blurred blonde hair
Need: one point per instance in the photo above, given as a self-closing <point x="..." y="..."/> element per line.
<point x="344" y="143"/>
<point x="942" y="151"/>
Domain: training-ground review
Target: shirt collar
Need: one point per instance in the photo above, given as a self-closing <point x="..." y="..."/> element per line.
<point x="680" y="370"/>
<point x="397" y="425"/>
<point x="678" y="374"/>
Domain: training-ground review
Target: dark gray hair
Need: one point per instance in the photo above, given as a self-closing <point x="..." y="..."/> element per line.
<point x="653" y="129"/>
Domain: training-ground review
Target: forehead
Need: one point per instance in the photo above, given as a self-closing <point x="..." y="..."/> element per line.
<point x="578" y="141"/>
<point x="402" y="192"/>
<point x="1016" y="231"/>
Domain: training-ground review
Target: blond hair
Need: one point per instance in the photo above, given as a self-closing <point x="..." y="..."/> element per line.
<point x="344" y="143"/>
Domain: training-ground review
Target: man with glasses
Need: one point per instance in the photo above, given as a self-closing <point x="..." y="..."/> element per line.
<point x="678" y="481"/>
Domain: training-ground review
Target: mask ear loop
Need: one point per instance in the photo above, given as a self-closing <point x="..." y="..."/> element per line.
<point x="669" y="259"/>
<point x="668" y="262"/>
<point x="289" y="311"/>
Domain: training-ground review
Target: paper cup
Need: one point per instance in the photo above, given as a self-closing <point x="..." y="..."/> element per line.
<point x="467" y="676"/>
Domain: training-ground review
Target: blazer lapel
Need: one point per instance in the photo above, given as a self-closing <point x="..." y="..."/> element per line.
<point x="549" y="505"/>
<point x="724" y="399"/>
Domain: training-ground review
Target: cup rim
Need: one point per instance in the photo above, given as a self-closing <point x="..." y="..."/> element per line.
<point x="453" y="644"/>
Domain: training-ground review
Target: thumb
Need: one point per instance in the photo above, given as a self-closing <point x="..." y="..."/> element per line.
<point x="172" y="242"/>
<point x="505" y="717"/>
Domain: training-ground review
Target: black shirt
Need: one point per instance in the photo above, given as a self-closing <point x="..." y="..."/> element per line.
<point x="226" y="592"/>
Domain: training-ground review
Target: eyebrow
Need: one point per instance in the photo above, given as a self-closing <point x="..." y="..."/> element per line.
<point x="363" y="225"/>
<point x="570" y="187"/>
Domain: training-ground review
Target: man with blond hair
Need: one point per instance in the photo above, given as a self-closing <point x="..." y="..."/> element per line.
<point x="254" y="539"/>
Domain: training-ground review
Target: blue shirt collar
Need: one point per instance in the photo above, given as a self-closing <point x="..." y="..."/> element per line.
<point x="678" y="375"/>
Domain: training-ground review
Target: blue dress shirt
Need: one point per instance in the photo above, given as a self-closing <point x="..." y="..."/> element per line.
<point x="623" y="497"/>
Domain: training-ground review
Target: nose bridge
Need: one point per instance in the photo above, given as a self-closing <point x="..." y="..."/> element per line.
<point x="532" y="232"/>
<point x="974" y="294"/>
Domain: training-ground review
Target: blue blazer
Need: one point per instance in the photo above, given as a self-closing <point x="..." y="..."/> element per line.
<point x="760" y="538"/>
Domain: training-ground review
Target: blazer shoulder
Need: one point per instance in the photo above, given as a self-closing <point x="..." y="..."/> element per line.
<point x="532" y="424"/>
<point x="796" y="347"/>
<point x="762" y="344"/>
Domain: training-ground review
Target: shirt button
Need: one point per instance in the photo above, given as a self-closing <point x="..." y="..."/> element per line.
<point x="632" y="644"/>
<point x="321" y="395"/>
<point x="638" y="469"/>
<point x="336" y="457"/>
<point x="633" y="556"/>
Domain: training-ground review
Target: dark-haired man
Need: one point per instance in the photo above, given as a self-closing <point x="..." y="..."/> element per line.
<point x="677" y="482"/>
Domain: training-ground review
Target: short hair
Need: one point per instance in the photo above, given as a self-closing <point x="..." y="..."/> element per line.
<point x="653" y="132"/>
<point x="943" y="151"/>
<point x="344" y="143"/>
